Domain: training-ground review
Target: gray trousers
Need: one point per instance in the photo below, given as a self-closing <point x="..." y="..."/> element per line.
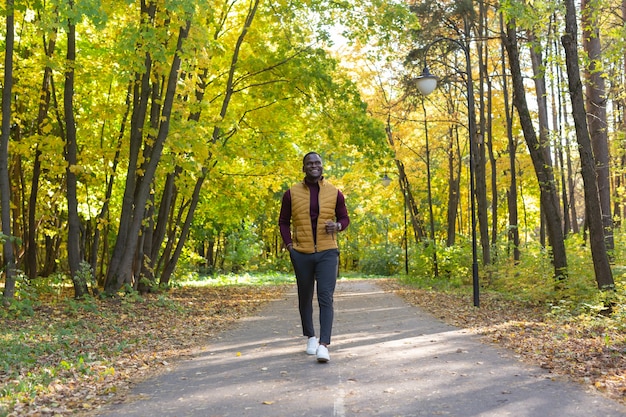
<point x="323" y="268"/>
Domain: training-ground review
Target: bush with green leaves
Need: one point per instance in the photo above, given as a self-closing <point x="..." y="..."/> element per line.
<point x="25" y="300"/>
<point x="242" y="245"/>
<point x="385" y="260"/>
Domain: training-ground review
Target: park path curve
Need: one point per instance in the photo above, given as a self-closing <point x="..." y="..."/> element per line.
<point x="388" y="358"/>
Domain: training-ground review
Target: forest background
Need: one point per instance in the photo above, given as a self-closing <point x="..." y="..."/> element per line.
<point x="148" y="143"/>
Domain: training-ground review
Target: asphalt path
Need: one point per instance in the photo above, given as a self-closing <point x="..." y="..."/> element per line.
<point x="387" y="359"/>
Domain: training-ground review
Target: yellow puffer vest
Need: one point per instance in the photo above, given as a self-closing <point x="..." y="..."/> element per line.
<point x="302" y="230"/>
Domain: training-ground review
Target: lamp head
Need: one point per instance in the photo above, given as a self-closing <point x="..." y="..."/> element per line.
<point x="426" y="82"/>
<point x="385" y="180"/>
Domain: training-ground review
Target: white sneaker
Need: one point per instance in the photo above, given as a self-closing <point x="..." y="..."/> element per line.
<point x="322" y="354"/>
<point x="311" y="345"/>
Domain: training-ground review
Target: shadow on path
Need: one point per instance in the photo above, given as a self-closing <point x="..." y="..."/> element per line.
<point x="387" y="359"/>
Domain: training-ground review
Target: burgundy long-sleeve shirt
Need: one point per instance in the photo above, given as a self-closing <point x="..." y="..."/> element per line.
<point x="284" y="219"/>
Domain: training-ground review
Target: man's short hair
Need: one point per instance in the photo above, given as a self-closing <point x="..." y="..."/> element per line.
<point x="310" y="153"/>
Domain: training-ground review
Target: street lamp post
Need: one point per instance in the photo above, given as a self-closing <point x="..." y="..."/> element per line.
<point x="426" y="84"/>
<point x="385" y="180"/>
<point x="406" y="240"/>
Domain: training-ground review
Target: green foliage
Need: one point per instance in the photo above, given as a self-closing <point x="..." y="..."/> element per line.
<point x="130" y="295"/>
<point x="13" y="239"/>
<point x="74" y="306"/>
<point x="531" y="279"/>
<point x="85" y="275"/>
<point x="17" y="308"/>
<point x="277" y="264"/>
<point x="268" y="278"/>
<point x="242" y="246"/>
<point x="454" y="266"/>
<point x="607" y="305"/>
<point x="52" y="285"/>
<point x="25" y="300"/>
<point x="381" y="260"/>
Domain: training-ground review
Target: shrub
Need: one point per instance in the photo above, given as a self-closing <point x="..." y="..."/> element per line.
<point x="381" y="260"/>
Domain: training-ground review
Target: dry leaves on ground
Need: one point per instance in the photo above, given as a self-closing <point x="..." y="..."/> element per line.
<point x="123" y="341"/>
<point x="588" y="352"/>
<point x="137" y="339"/>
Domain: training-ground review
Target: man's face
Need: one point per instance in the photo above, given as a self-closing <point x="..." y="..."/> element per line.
<point x="312" y="167"/>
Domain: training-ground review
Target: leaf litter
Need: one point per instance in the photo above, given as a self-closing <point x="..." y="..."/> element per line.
<point x="590" y="352"/>
<point x="102" y="347"/>
<point x="125" y="341"/>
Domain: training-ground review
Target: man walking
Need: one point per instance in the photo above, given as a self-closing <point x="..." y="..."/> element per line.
<point x="313" y="212"/>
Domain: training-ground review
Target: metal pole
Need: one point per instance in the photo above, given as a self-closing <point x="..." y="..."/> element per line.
<point x="473" y="153"/>
<point x="472" y="144"/>
<point x="406" y="241"/>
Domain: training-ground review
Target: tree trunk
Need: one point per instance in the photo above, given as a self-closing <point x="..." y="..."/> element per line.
<point x="542" y="104"/>
<point x="5" y="186"/>
<point x="619" y="207"/>
<point x="567" y="224"/>
<point x="596" y="118"/>
<point x="476" y="137"/>
<point x="136" y="193"/>
<point x="511" y="194"/>
<point x="18" y="200"/>
<point x="171" y="263"/>
<point x="493" y="171"/>
<point x="74" y="254"/>
<point x="166" y="256"/>
<point x="620" y="181"/>
<point x="543" y="171"/>
<point x="593" y="211"/>
<point x="454" y="184"/>
<point x="555" y="94"/>
<point x="419" y="230"/>
<point x="485" y="150"/>
<point x="141" y="93"/>
<point x="44" y="104"/>
<point x="165" y="209"/>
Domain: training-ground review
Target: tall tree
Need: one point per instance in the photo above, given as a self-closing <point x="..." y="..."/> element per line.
<point x="5" y="186"/>
<point x="555" y="95"/>
<point x="538" y="66"/>
<point x="42" y="126"/>
<point x="513" y="226"/>
<point x="229" y="90"/>
<point x="486" y="146"/>
<point x="593" y="211"/>
<point x="74" y="254"/>
<point x="454" y="183"/>
<point x="564" y="124"/>
<point x="139" y="181"/>
<point x="596" y="111"/>
<point x="543" y="169"/>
